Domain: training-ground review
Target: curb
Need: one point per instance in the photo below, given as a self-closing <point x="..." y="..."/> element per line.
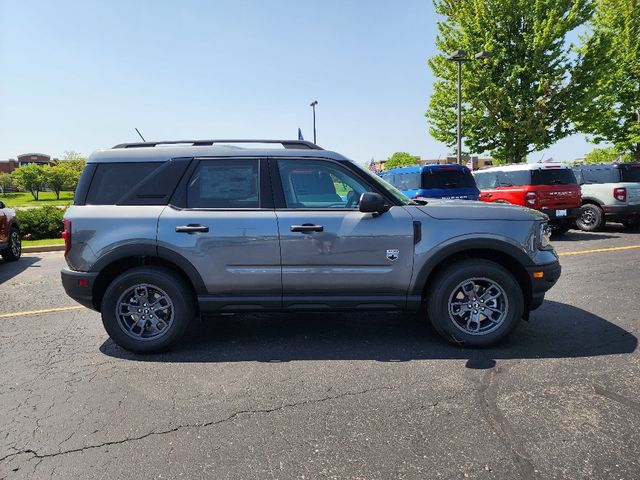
<point x="43" y="248"/>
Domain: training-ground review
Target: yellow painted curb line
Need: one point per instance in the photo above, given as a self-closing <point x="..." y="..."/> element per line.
<point x="598" y="250"/>
<point x="38" y="312"/>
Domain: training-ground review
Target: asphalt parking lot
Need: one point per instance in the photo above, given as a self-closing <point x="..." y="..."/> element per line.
<point x="367" y="396"/>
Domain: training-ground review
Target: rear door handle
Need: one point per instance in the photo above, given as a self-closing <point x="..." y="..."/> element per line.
<point x="192" y="228"/>
<point x="307" y="228"/>
<point x="486" y="195"/>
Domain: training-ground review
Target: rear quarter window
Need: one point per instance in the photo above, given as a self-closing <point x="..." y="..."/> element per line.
<point x="486" y="180"/>
<point x="630" y="173"/>
<point x="514" y="178"/>
<point x="112" y="181"/>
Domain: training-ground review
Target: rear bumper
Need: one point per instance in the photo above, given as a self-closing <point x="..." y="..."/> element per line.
<point x="79" y="286"/>
<point x="539" y="286"/>
<point x="554" y="216"/>
<point x="620" y="211"/>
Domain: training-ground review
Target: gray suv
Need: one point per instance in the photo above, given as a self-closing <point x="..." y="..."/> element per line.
<point x="163" y="231"/>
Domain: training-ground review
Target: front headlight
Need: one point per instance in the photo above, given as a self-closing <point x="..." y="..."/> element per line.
<point x="544" y="236"/>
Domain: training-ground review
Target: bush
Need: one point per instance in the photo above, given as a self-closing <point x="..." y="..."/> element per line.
<point x="40" y="223"/>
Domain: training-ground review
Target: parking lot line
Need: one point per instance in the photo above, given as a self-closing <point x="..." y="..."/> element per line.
<point x="598" y="250"/>
<point x="37" y="312"/>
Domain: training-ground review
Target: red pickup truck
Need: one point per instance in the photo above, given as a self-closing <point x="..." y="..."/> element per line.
<point x="551" y="188"/>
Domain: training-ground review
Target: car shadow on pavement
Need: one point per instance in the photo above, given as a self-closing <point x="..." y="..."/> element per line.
<point x="577" y="235"/>
<point x="555" y="330"/>
<point x="8" y="270"/>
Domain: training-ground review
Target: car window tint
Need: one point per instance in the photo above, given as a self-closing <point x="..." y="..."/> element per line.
<point x="407" y="181"/>
<point x="555" y="176"/>
<point x="454" y="178"/>
<point x="224" y="183"/>
<point x="112" y="181"/>
<point x="319" y="184"/>
<point x="630" y="173"/>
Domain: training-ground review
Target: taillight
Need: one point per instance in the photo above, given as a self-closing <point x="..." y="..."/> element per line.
<point x="620" y="194"/>
<point x="66" y="234"/>
<point x="531" y="198"/>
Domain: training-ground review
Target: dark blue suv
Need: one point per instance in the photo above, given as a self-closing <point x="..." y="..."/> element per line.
<point x="434" y="181"/>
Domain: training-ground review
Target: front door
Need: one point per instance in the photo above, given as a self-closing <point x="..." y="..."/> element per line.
<point x="332" y="254"/>
<point x="227" y="230"/>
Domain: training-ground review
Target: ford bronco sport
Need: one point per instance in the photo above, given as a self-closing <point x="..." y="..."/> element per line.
<point x="433" y="181"/>
<point x="162" y="231"/>
<point x="610" y="192"/>
<point x="551" y="188"/>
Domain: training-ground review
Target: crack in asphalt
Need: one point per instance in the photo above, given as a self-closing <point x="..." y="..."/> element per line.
<point x="488" y="393"/>
<point x="40" y="457"/>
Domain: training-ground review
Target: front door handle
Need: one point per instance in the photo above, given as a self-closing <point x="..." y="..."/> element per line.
<point x="486" y="195"/>
<point x="307" y="228"/>
<point x="192" y="228"/>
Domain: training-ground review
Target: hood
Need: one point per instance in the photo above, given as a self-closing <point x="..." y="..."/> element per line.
<point x="471" y="210"/>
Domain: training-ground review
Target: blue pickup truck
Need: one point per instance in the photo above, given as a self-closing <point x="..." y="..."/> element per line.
<point x="434" y="181"/>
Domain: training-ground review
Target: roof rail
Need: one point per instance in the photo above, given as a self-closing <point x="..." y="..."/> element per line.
<point x="299" y="144"/>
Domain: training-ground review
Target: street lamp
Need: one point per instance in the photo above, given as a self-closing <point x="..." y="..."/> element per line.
<point x="313" y="105"/>
<point x="460" y="56"/>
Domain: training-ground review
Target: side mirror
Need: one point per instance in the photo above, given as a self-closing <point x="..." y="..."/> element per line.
<point x="372" y="203"/>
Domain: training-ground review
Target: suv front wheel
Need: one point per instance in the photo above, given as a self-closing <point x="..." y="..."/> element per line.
<point x="475" y="302"/>
<point x="147" y="309"/>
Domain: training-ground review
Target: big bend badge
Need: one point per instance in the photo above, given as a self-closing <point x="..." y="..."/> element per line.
<point x="393" y="255"/>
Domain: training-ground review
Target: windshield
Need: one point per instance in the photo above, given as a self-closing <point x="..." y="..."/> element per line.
<point x="630" y="173"/>
<point x="548" y="176"/>
<point x="447" y="179"/>
<point x="387" y="187"/>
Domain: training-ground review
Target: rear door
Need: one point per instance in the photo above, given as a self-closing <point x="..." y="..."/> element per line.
<point x="224" y="224"/>
<point x="557" y="189"/>
<point x="332" y="254"/>
<point x="450" y="182"/>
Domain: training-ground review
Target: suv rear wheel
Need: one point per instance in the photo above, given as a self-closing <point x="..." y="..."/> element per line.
<point x="147" y="309"/>
<point x="475" y="302"/>
<point x="591" y="218"/>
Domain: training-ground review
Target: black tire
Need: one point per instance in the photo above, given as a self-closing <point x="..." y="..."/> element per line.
<point x="179" y="311"/>
<point x="631" y="223"/>
<point x="447" y="283"/>
<point x="560" y="229"/>
<point x="591" y="218"/>
<point x="13" y="252"/>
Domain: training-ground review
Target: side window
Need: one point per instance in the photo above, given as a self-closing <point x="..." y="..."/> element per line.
<point x="112" y="181"/>
<point x="514" y="178"/>
<point x="408" y="181"/>
<point x="224" y="183"/>
<point x="486" y="180"/>
<point x="319" y="184"/>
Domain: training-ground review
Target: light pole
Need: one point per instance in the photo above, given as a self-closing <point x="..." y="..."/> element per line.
<point x="460" y="56"/>
<point x="313" y="105"/>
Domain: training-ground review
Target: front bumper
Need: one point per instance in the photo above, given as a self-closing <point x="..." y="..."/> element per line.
<point x="79" y="286"/>
<point x="541" y="284"/>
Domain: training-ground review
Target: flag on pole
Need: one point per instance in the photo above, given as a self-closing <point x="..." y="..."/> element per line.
<point x="300" y="137"/>
<point x="372" y="165"/>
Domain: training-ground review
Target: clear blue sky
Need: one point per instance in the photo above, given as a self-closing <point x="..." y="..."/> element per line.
<point x="80" y="75"/>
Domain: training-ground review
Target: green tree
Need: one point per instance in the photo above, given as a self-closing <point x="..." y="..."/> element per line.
<point x="606" y="155"/>
<point x="5" y="181"/>
<point x="58" y="177"/>
<point x="520" y="100"/>
<point x="31" y="178"/>
<point x="400" y="159"/>
<point x="75" y="163"/>
<point x="611" y="54"/>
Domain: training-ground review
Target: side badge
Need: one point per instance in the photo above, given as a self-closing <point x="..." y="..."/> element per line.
<point x="392" y="255"/>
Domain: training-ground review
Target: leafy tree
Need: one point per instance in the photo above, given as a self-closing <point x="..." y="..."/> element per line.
<point x="5" y="181"/>
<point x="75" y="163"/>
<point x="605" y="155"/>
<point x="611" y="58"/>
<point x="520" y="100"/>
<point x="31" y="178"/>
<point x="58" y="177"/>
<point x="400" y="159"/>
